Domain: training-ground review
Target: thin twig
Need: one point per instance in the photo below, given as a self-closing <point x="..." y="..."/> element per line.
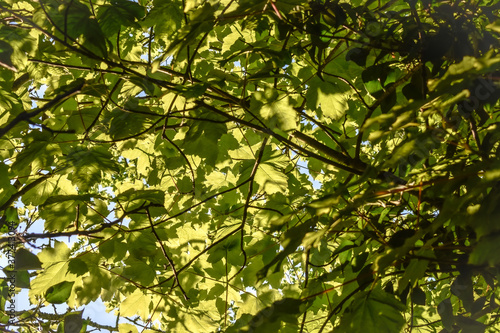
<point x="25" y="116"/>
<point x="165" y="254"/>
<point x="247" y="203"/>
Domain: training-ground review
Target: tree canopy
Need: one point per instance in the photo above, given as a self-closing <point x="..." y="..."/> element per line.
<point x="243" y="166"/>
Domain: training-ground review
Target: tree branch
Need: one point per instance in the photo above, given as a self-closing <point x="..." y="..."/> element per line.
<point x="25" y="116"/>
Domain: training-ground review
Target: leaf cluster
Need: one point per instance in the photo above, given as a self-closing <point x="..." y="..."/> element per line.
<point x="280" y="166"/>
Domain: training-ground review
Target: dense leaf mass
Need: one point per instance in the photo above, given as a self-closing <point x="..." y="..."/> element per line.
<point x="252" y="165"/>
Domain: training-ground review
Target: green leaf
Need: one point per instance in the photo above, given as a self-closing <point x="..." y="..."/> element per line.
<point x="142" y="244"/>
<point x="136" y="303"/>
<point x="137" y="270"/>
<point x="73" y="322"/>
<point x="445" y="311"/>
<point x="15" y="46"/>
<point x="127" y="328"/>
<point x="77" y="267"/>
<point x="113" y="248"/>
<point x="291" y="240"/>
<point x="76" y="20"/>
<point x="415" y="270"/>
<point x="6" y="52"/>
<point x="482" y="253"/>
<point x="119" y="13"/>
<point x="153" y="196"/>
<point x="166" y="17"/>
<point x="359" y="261"/>
<point x="25" y="260"/>
<point x="269" y="319"/>
<point x="373" y="311"/>
<point x="495" y="26"/>
<point x="55" y="199"/>
<point x="462" y="288"/>
<point x="418" y="296"/>
<point x="11" y="217"/>
<point x="92" y="286"/>
<point x="38" y="154"/>
<point x="50" y="255"/>
<point x="86" y="166"/>
<point x="59" y="293"/>
<point x="358" y="55"/>
<point x="470" y="325"/>
<point x="202" y="140"/>
<point x="133" y="130"/>
<point x="59" y="211"/>
<point x="18" y="278"/>
<point x="277" y="111"/>
<point x="327" y="98"/>
<point x="127" y="124"/>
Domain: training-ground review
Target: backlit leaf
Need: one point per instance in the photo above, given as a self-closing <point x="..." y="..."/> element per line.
<point x="374" y="311"/>
<point x="59" y="293"/>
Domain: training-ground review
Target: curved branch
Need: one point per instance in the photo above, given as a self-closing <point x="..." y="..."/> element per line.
<point x="25" y="116"/>
<point x="22" y="191"/>
<point x="247" y="203"/>
<point x="165" y="254"/>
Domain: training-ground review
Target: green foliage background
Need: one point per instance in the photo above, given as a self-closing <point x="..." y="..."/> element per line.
<point x="179" y="140"/>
